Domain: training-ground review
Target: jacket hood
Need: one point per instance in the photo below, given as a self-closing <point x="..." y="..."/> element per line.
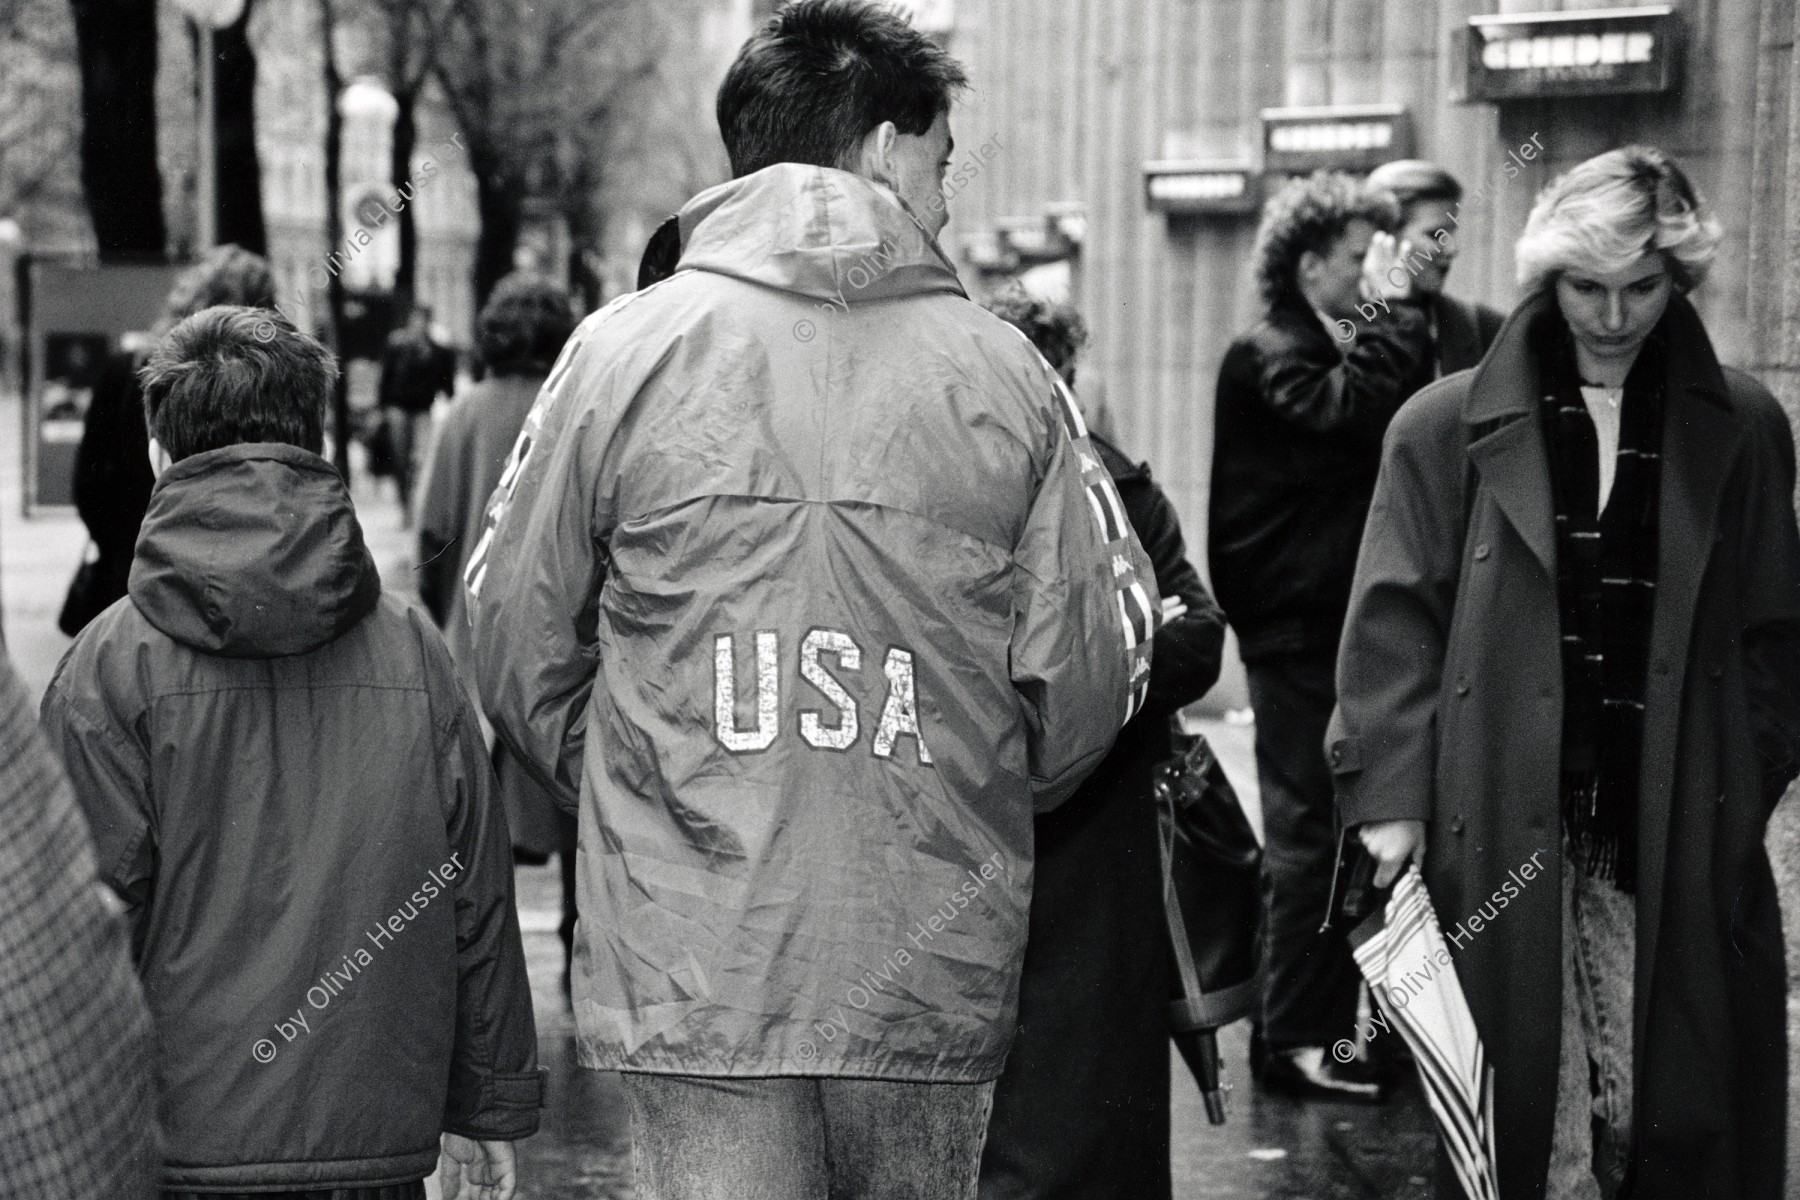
<point x="253" y="551"/>
<point x="822" y="233"/>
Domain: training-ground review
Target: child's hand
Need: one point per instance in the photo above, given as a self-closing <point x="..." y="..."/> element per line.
<point x="477" y="1170"/>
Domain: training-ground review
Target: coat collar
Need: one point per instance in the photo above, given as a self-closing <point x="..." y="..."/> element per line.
<point x="1507" y="446"/>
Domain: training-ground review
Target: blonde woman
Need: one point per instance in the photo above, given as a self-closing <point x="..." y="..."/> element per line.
<point x="1570" y="690"/>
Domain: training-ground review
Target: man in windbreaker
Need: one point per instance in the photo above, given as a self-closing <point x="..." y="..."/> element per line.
<point x="806" y="580"/>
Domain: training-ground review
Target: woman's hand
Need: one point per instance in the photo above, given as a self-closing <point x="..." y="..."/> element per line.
<point x="1393" y="843"/>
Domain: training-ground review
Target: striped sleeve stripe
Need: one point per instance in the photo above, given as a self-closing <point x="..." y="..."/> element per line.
<point x="1071" y="414"/>
<point x="1112" y="528"/>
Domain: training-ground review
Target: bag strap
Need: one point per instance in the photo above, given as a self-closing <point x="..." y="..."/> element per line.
<point x="1197" y="1008"/>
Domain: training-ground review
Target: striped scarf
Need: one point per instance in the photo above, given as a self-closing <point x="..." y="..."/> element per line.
<point x="1606" y="572"/>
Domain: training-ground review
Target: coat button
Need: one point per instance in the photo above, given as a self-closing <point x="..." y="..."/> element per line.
<point x="1456" y="826"/>
<point x="1481" y="551"/>
<point x="1462" y="687"/>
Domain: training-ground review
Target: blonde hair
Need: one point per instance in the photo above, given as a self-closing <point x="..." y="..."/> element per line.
<point x="1602" y="214"/>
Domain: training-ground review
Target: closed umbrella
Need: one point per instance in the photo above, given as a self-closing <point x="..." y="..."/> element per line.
<point x="1402" y="954"/>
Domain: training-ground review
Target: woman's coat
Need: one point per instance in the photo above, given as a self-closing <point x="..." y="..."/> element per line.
<point x="1450" y="695"/>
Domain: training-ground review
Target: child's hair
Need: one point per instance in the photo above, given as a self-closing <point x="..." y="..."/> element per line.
<point x="228" y="375"/>
<point x="1602" y="214"/>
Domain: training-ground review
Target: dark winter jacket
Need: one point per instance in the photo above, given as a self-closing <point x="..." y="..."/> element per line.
<point x="1296" y="444"/>
<point x="806" y="578"/>
<point x="1450" y="712"/>
<point x="1465" y="330"/>
<point x="1082" y="1110"/>
<point x="415" y="371"/>
<point x="112" y="473"/>
<point x="288" y="787"/>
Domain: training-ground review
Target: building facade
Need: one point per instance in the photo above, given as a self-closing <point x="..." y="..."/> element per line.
<point x="1083" y="94"/>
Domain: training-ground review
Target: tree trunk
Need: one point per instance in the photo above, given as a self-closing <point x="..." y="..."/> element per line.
<point x="334" y="237"/>
<point x="240" y="213"/>
<point x="497" y="200"/>
<point x="116" y="44"/>
<point x="406" y="137"/>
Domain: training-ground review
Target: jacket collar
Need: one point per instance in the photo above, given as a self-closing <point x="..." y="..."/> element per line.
<point x="1507" y="381"/>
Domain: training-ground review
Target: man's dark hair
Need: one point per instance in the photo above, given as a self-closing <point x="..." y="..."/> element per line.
<point x="228" y="375"/>
<point x="1057" y="330"/>
<point x="812" y="83"/>
<point x="1311" y="214"/>
<point x="662" y="254"/>
<point x="523" y="325"/>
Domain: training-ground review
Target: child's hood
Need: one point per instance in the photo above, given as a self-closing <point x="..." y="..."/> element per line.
<point x="253" y="551"/>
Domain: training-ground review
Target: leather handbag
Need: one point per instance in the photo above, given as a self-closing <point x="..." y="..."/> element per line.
<point x="87" y="597"/>
<point x="1212" y="901"/>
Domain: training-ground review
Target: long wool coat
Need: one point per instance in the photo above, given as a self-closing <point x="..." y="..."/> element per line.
<point x="1450" y="696"/>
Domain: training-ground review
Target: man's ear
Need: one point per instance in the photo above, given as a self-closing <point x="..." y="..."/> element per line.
<point x="159" y="458"/>
<point x="875" y="157"/>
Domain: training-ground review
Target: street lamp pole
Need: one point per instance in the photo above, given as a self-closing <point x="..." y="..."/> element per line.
<point x="208" y="15"/>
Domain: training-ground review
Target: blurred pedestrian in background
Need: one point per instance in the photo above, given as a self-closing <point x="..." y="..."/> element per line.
<point x="803" y="577"/>
<point x="1082" y="1109"/>
<point x="1303" y="400"/>
<point x="518" y="335"/>
<point x="1574" y="642"/>
<point x="415" y="370"/>
<point x="1430" y="198"/>
<point x="289" y="789"/>
<point x="77" y="1057"/>
<point x="112" y="465"/>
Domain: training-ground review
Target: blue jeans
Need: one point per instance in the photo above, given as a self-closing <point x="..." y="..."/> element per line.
<point x="1591" y="1142"/>
<point x="789" y="1138"/>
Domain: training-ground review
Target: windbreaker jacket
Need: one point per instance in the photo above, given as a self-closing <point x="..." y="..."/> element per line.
<point x="289" y="788"/>
<point x="807" y="578"/>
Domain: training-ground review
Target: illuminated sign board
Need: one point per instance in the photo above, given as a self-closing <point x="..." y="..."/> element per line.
<point x="1602" y="52"/>
<point x="1349" y="138"/>
<point x="1185" y="186"/>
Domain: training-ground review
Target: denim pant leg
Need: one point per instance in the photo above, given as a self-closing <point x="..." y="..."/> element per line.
<point x="905" y="1141"/>
<point x="695" y="1138"/>
<point x="1309" y="991"/>
<point x="1591" y="1143"/>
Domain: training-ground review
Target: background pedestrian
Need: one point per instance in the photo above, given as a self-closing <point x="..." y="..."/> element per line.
<point x="518" y="335"/>
<point x="1303" y="400"/>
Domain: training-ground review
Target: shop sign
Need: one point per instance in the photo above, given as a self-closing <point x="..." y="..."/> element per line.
<point x="1191" y="187"/>
<point x="1600" y="52"/>
<point x="1356" y="137"/>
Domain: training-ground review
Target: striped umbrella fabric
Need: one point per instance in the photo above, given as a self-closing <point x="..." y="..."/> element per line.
<point x="1402" y="954"/>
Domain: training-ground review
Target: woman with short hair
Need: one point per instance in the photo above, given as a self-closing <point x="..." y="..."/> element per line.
<point x="1569" y="689"/>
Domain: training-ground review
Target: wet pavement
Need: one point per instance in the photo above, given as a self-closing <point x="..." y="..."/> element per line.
<point x="1273" y="1148"/>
